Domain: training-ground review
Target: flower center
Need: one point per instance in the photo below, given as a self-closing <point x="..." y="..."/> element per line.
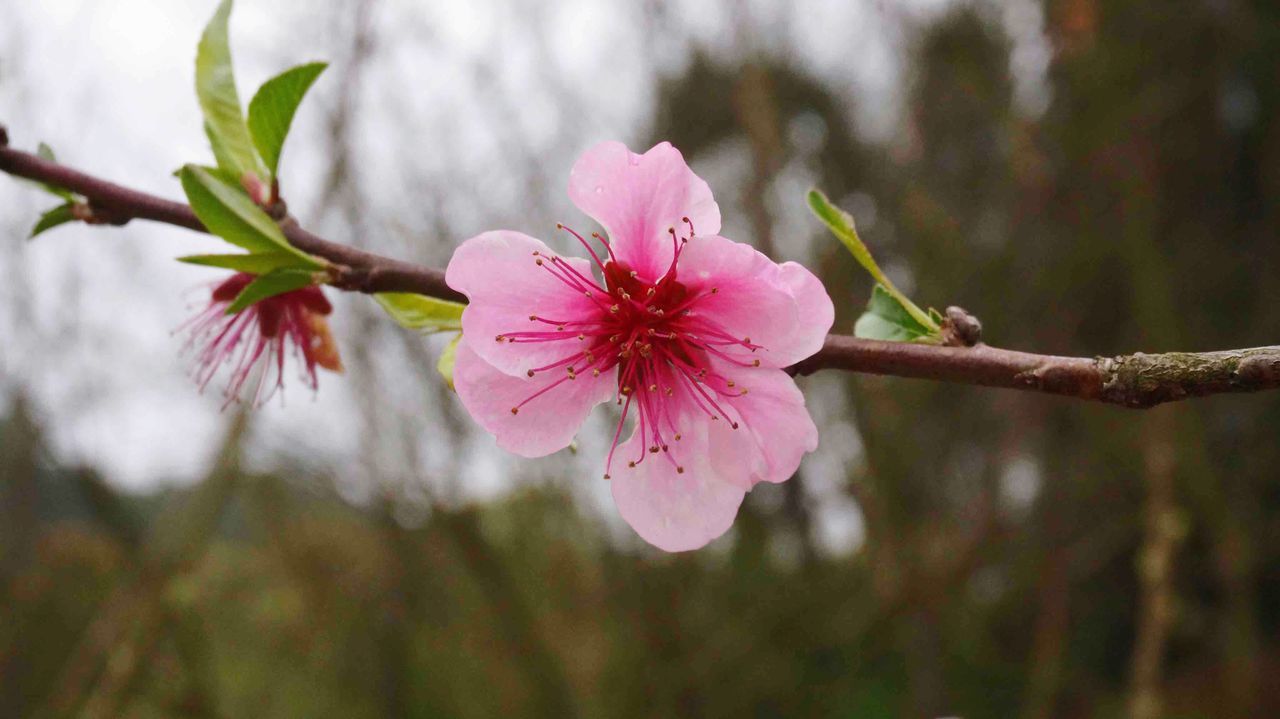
<point x="664" y="347"/>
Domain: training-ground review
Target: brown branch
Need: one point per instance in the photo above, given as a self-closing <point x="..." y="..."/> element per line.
<point x="1138" y="380"/>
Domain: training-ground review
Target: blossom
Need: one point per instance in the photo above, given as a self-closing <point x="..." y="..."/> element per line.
<point x="255" y="340"/>
<point x="685" y="330"/>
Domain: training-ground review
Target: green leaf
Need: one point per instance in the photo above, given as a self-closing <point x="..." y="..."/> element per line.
<point x="270" y="285"/>
<point x="887" y="319"/>
<point x="841" y="225"/>
<point x="219" y="101"/>
<point x="60" y="215"/>
<point x="229" y="213"/>
<point x="259" y="263"/>
<point x="272" y="108"/>
<point x="419" y="312"/>
<point x="447" y="359"/>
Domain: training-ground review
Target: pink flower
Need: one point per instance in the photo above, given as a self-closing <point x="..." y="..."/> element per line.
<point x="259" y="336"/>
<point x="688" y="332"/>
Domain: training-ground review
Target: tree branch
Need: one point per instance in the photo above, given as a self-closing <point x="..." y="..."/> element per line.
<point x="1138" y="380"/>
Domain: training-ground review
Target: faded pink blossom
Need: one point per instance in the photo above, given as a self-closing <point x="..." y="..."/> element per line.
<point x="688" y="329"/>
<point x="255" y="341"/>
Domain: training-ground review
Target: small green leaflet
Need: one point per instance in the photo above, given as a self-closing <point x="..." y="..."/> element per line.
<point x="419" y="312"/>
<point x="59" y="215"/>
<point x="219" y="101"/>
<point x="272" y="108"/>
<point x="447" y="360"/>
<point x="229" y="213"/>
<point x="887" y="319"/>
<point x="841" y="225"/>
<point x="44" y="152"/>
<point x="255" y="264"/>
<point x="270" y="285"/>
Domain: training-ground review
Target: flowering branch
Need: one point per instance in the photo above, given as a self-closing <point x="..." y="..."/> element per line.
<point x="1137" y="381"/>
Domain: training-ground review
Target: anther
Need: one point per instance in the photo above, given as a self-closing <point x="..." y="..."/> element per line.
<point x="559" y="328"/>
<point x="730" y="383"/>
<point x="614" y="309"/>
<point x="633" y="274"/>
<point x="715" y="290"/>
<point x="595" y="373"/>
<point x="679" y="469"/>
<point x="533" y="318"/>
<point x="653" y="388"/>
<point x="631" y="465"/>
<point x="515" y="410"/>
<point x="581" y="337"/>
<point x="755" y="363"/>
<point x="538" y="261"/>
<point x="499" y="338"/>
<point x="530" y="373"/>
<point x="653" y="449"/>
<point x="677" y="437"/>
<point x="734" y="425"/>
<point x="607" y="477"/>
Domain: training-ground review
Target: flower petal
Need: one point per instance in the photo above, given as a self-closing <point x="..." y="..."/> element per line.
<point x="752" y="298"/>
<point x="544" y="425"/>
<point x="638" y="197"/>
<point x="676" y="511"/>
<point x="774" y="416"/>
<point x="498" y="273"/>
<point x="815" y="310"/>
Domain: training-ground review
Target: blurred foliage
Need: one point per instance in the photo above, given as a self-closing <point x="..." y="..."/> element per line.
<point x="1016" y="546"/>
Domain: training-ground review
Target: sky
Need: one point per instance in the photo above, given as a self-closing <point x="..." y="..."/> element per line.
<point x="460" y="111"/>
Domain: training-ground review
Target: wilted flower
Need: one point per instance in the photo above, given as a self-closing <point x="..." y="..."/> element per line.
<point x="689" y="329"/>
<point x="255" y="341"/>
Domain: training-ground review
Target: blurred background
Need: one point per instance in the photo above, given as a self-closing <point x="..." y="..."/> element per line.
<point x="1087" y="177"/>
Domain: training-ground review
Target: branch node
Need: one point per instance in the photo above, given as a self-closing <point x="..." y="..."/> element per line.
<point x="960" y="329"/>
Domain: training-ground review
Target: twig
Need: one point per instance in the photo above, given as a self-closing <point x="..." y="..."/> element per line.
<point x="1137" y="381"/>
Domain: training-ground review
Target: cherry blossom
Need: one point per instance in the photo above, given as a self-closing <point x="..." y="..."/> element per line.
<point x="686" y="332"/>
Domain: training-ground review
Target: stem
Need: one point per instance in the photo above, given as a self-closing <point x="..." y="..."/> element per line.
<point x="1138" y="381"/>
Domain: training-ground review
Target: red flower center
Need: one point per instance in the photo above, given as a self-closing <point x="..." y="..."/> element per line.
<point x="653" y="333"/>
